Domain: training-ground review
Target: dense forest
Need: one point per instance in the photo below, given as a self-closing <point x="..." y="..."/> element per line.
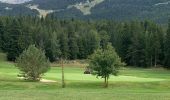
<point x="138" y="43"/>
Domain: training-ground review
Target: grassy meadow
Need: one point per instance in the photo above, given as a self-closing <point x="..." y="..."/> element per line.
<point x="131" y="84"/>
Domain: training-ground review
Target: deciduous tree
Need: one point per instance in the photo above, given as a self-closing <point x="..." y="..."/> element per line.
<point x="105" y="62"/>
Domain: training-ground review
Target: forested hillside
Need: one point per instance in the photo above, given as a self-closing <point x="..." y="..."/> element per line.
<point x="138" y="43"/>
<point x="156" y="10"/>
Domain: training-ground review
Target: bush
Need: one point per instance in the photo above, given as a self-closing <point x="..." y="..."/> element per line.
<point x="32" y="63"/>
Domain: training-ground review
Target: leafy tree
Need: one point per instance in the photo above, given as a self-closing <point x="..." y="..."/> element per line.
<point x="105" y="62"/>
<point x="32" y="63"/>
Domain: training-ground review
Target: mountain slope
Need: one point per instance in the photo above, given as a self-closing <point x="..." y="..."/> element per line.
<point x="157" y="10"/>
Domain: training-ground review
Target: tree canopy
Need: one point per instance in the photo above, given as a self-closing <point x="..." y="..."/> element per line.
<point x="105" y="62"/>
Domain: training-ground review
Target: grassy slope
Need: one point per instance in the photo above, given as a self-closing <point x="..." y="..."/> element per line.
<point x="133" y="84"/>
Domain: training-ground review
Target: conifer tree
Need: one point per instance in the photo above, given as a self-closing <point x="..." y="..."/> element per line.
<point x="167" y="48"/>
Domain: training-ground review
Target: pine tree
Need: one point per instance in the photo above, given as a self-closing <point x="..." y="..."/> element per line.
<point x="152" y="43"/>
<point x="64" y="45"/>
<point x="167" y="48"/>
<point x="125" y="42"/>
<point x="52" y="46"/>
<point x="1" y="34"/>
<point x="32" y="63"/>
<point x="73" y="47"/>
<point x="104" y="38"/>
<point x="136" y="49"/>
<point x="12" y="36"/>
<point x="92" y="42"/>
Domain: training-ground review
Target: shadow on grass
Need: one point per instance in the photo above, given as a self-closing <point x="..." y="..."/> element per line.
<point x="18" y="84"/>
<point x="86" y="85"/>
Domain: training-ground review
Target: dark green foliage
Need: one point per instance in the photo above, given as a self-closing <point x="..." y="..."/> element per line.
<point x="153" y="43"/>
<point x="104" y="39"/>
<point x="136" y="52"/>
<point x="1" y="34"/>
<point x="64" y="45"/>
<point x="167" y="48"/>
<point x="125" y="41"/>
<point x="89" y="42"/>
<point x="69" y="39"/>
<point x="137" y="43"/>
<point x="52" y="46"/>
<point x="14" y="40"/>
<point x="32" y="63"/>
<point x="73" y="46"/>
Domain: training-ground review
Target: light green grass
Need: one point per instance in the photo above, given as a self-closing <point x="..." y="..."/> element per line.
<point x="76" y="74"/>
<point x="131" y="84"/>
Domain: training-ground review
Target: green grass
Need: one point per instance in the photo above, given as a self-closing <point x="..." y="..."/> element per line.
<point x="131" y="84"/>
<point x="2" y="56"/>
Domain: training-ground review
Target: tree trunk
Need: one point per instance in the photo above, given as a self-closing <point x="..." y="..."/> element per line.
<point x="155" y="59"/>
<point x="151" y="61"/>
<point x="105" y="82"/>
<point x="62" y="66"/>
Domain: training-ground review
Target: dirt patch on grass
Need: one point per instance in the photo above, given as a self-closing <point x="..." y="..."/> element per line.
<point x="42" y="80"/>
<point x="47" y="81"/>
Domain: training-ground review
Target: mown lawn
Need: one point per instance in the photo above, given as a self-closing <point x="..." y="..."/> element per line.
<point x="131" y="84"/>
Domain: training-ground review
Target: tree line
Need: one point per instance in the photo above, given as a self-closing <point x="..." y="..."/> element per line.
<point x="138" y="43"/>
